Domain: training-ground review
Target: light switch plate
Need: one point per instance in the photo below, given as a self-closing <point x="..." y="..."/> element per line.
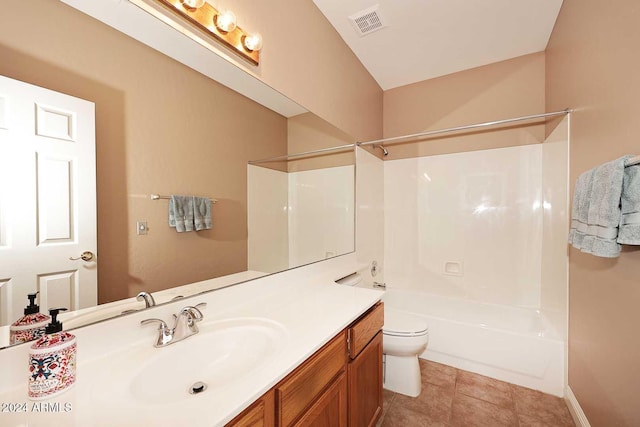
<point x="141" y="228"/>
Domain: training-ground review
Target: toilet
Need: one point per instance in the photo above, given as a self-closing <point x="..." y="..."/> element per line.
<point x="405" y="336"/>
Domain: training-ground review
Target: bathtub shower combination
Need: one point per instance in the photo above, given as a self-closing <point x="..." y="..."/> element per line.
<point x="512" y="344"/>
<point x="475" y="247"/>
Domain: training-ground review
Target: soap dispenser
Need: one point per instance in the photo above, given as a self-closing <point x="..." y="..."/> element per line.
<point x="52" y="361"/>
<point x="30" y="326"/>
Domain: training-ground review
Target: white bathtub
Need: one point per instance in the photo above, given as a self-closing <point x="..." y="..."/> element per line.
<point x="511" y="344"/>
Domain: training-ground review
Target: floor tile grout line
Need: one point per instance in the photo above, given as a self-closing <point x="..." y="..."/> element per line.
<point x="513" y="401"/>
<point x="453" y="397"/>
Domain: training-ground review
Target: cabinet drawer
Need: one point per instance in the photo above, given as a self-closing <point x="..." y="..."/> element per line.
<point x="365" y="329"/>
<point x="298" y="391"/>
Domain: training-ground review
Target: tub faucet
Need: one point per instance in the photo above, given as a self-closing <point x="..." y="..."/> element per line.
<point x="147" y="298"/>
<point x="185" y="325"/>
<point x="379" y="285"/>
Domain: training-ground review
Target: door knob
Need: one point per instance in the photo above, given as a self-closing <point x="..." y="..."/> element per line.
<point x="85" y="256"/>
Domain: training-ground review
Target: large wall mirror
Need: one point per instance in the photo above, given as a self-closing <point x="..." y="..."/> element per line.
<point x="163" y="128"/>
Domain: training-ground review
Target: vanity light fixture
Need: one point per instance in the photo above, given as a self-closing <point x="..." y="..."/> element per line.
<point x="218" y="25"/>
<point x="193" y="4"/>
<point x="252" y="42"/>
<point x="225" y="21"/>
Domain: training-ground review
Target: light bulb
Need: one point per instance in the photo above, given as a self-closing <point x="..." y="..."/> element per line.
<point x="225" y="21"/>
<point x="252" y="42"/>
<point x="192" y="4"/>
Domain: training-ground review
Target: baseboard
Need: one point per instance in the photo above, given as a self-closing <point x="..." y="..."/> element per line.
<point x="574" y="407"/>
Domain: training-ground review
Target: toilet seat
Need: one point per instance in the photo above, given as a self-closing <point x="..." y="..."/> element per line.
<point x="400" y="324"/>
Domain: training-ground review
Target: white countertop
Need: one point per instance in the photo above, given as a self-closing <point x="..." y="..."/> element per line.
<point x="312" y="310"/>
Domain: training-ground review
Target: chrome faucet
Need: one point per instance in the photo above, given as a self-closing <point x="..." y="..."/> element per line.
<point x="142" y="296"/>
<point x="147" y="298"/>
<point x="379" y="285"/>
<point x="185" y="325"/>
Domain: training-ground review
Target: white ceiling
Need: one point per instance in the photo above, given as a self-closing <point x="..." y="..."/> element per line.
<point x="432" y="38"/>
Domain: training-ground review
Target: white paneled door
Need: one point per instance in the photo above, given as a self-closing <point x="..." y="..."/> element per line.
<point x="47" y="199"/>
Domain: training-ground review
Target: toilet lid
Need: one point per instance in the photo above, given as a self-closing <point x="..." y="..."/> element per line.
<point x="403" y="324"/>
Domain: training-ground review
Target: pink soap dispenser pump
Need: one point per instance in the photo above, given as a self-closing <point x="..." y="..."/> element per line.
<point x="52" y="361"/>
<point x="30" y="326"/>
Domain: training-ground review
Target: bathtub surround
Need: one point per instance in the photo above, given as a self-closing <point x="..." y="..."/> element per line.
<point x="464" y="243"/>
<point x="481" y="210"/>
<point x="321" y="217"/>
<point x="299" y="217"/>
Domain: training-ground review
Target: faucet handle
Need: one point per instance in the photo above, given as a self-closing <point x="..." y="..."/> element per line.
<point x="201" y="305"/>
<point x="161" y="327"/>
<point x="193" y="313"/>
<point x="165" y="335"/>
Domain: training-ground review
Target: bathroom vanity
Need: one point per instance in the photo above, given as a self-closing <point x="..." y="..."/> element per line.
<point x="340" y="385"/>
<point x="292" y="349"/>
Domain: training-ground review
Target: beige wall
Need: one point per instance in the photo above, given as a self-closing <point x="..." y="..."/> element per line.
<point x="592" y="67"/>
<point x="306" y="59"/>
<point x="308" y="132"/>
<point x="498" y="91"/>
<point x="161" y="128"/>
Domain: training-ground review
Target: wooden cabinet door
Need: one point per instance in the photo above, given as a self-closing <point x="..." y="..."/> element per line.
<point x="260" y="414"/>
<point x="365" y="385"/>
<point x="330" y="410"/>
<point x="300" y="389"/>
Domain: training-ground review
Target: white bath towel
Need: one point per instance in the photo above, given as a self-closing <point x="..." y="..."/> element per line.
<point x="629" y="233"/>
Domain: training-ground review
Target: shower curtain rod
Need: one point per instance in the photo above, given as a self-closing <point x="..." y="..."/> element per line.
<point x="415" y="135"/>
<point x="467" y="127"/>
<point x="304" y="154"/>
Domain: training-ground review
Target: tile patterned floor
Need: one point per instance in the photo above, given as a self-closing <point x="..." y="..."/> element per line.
<point x="455" y="398"/>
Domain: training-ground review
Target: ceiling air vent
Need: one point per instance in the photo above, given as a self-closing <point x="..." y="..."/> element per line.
<point x="367" y="21"/>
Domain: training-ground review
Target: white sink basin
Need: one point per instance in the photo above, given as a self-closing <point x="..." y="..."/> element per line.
<point x="222" y="352"/>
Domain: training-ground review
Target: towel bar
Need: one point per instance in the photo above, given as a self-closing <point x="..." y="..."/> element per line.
<point x="158" y="196"/>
